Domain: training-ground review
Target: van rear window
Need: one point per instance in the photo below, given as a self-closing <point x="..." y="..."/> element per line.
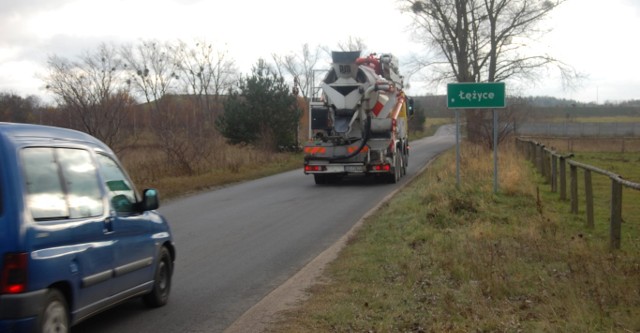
<point x="61" y="183"/>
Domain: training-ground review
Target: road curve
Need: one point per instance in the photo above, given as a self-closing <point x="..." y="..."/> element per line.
<point x="237" y="244"/>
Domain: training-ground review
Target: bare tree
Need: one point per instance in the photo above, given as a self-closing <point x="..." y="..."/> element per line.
<point x="93" y="92"/>
<point x="352" y="44"/>
<point x="206" y="72"/>
<point x="154" y="73"/>
<point x="153" y="70"/>
<point x="483" y="41"/>
<point x="300" y="67"/>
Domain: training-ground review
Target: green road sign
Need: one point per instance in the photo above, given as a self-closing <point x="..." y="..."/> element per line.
<point x="472" y="95"/>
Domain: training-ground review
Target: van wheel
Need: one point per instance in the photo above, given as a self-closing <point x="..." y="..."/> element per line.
<point x="55" y="314"/>
<point x="159" y="295"/>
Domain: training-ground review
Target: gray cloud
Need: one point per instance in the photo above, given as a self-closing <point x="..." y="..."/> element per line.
<point x="14" y="13"/>
<point x="28" y="6"/>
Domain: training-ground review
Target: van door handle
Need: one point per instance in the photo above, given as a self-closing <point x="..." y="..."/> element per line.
<point x="108" y="225"/>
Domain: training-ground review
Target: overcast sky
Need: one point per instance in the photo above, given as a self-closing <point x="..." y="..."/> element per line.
<point x="599" y="38"/>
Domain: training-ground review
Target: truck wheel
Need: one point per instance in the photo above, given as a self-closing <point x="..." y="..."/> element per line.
<point x="395" y="174"/>
<point x="55" y="314"/>
<point x="398" y="173"/>
<point x="405" y="155"/>
<point x="159" y="295"/>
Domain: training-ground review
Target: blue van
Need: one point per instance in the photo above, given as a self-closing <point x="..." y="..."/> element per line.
<point x="76" y="237"/>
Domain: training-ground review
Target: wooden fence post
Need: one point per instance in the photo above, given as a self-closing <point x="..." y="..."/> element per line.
<point x="547" y="165"/>
<point x="563" y="178"/>
<point x="588" y="189"/>
<point x="554" y="173"/>
<point x="539" y="158"/>
<point x="574" y="188"/>
<point x="616" y="213"/>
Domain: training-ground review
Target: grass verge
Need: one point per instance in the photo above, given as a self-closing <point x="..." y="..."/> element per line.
<point x="173" y="187"/>
<point x="441" y="259"/>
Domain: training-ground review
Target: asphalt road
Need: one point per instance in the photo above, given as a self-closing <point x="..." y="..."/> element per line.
<point x="238" y="243"/>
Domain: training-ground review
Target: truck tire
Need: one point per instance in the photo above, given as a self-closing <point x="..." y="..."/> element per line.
<point x="406" y="155"/>
<point x="398" y="169"/>
<point x="396" y="172"/>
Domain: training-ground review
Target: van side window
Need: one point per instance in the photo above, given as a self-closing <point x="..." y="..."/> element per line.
<point x="45" y="196"/>
<point x="121" y="193"/>
<point x="82" y="183"/>
<point x="61" y="183"/>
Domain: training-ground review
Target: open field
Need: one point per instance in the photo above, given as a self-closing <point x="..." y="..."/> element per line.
<point x="590" y="144"/>
<point x="596" y="119"/>
<point x="441" y="259"/>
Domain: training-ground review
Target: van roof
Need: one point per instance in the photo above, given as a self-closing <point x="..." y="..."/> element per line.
<point x="39" y="133"/>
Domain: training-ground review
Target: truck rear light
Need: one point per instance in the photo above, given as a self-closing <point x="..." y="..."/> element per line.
<point x="312" y="168"/>
<point x="14" y="273"/>
<point x="381" y="167"/>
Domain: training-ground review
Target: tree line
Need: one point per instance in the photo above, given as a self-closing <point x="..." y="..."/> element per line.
<point x="467" y="41"/>
<point x="183" y="94"/>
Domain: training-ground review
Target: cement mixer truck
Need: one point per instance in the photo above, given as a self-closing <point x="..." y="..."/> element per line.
<point x="358" y="123"/>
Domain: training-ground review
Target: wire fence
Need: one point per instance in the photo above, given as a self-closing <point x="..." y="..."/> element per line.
<point x="553" y="167"/>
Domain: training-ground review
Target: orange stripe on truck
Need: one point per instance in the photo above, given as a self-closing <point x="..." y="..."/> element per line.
<point x="315" y="150"/>
<point x="352" y="149"/>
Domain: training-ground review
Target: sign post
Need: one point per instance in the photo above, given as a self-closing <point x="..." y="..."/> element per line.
<point x="472" y="95"/>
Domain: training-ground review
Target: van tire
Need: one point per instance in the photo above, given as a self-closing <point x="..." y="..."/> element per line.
<point x="55" y="314"/>
<point x="159" y="295"/>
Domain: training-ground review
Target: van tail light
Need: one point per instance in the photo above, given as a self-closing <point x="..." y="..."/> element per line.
<point x="14" y="273"/>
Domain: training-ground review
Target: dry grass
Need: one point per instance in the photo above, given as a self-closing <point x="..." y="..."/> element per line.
<point x="217" y="164"/>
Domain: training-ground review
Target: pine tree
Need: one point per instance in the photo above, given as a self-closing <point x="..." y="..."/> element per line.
<point x="261" y="111"/>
